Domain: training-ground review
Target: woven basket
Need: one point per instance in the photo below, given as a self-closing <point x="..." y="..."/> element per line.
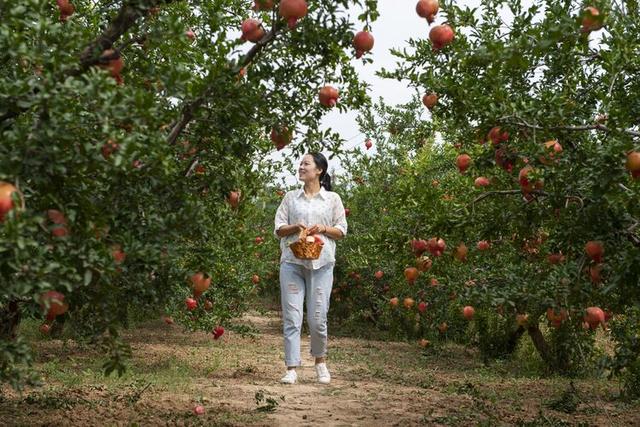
<point x="305" y="250"/>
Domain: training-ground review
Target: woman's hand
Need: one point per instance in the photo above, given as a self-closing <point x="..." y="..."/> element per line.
<point x="300" y="226"/>
<point x="317" y="229"/>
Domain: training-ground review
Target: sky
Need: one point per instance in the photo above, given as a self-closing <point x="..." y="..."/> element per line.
<point x="398" y="22"/>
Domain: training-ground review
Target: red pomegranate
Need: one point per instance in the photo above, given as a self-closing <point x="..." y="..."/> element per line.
<point x="463" y="161"/>
<point x="430" y="100"/>
<point x="66" y="9"/>
<point x="363" y="42"/>
<point x="594" y="250"/>
<point x="591" y="20"/>
<point x="112" y="61"/>
<point x="200" y="283"/>
<point x="496" y="135"/>
<point x="252" y="30"/>
<point x="6" y="198"/>
<point x="53" y="303"/>
<point x="594" y="316"/>
<point x="468" y="312"/>
<point x="328" y="96"/>
<point x="281" y="137"/>
<point x="526" y="183"/>
<point x="292" y="10"/>
<point x="440" y="36"/>
<point x="633" y="162"/>
<point x="427" y="9"/>
<point x="481" y="181"/>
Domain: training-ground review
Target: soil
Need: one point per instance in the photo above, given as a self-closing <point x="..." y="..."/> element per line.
<point x="236" y="378"/>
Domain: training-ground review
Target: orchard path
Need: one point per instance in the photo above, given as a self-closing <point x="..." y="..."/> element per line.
<point x="236" y="380"/>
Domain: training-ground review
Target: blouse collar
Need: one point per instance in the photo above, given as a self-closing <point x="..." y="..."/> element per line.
<point x="322" y="193"/>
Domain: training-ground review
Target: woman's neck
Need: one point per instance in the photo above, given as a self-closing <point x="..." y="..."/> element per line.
<point x="311" y="188"/>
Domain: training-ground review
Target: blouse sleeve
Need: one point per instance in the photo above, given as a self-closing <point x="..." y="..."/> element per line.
<point x="339" y="217"/>
<point x="282" y="215"/>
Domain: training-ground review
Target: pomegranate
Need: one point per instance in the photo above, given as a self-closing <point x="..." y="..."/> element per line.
<point x="255" y="279"/>
<point x="468" y="312"/>
<point x="481" y="181"/>
<point x="440" y="36"/>
<point x="461" y="252"/>
<point x="292" y="11"/>
<point x="422" y="306"/>
<point x="594" y="250"/>
<point x="362" y="42"/>
<point x="200" y="283"/>
<point x="234" y="199"/>
<point x="53" y="303"/>
<point x="66" y="9"/>
<point x="633" y="162"/>
<point x="436" y="246"/>
<point x="553" y="149"/>
<point x="6" y="198"/>
<point x="496" y="135"/>
<point x="191" y="303"/>
<point x="411" y="274"/>
<point x="328" y="96"/>
<point x="118" y="254"/>
<point x="45" y="328"/>
<point x="505" y="158"/>
<point x="218" y="331"/>
<point x="393" y="302"/>
<point x="424" y="343"/>
<point x="109" y="148"/>
<point x="379" y="274"/>
<point x="168" y="320"/>
<point x="463" y="161"/>
<point x="198" y="410"/>
<point x="112" y="61"/>
<point x="418" y="246"/>
<point x="424" y="263"/>
<point x="483" y="245"/>
<point x="594" y="316"/>
<point x="430" y="100"/>
<point x="526" y="184"/>
<point x="427" y="9"/>
<point x="408" y="303"/>
<point x="252" y="30"/>
<point x="556" y="317"/>
<point x="262" y="5"/>
<point x="595" y="273"/>
<point x="591" y="19"/>
<point x="281" y="137"/>
<point x="555" y="258"/>
<point x="368" y="144"/>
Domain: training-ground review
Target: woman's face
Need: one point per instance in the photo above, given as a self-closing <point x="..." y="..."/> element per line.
<point x="308" y="170"/>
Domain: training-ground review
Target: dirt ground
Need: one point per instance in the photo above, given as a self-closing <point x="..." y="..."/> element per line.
<point x="236" y="380"/>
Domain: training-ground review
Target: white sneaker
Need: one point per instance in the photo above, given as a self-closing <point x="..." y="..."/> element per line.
<point x="290" y="377"/>
<point x="323" y="373"/>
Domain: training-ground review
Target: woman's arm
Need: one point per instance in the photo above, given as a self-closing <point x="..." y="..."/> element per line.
<point x="287" y="230"/>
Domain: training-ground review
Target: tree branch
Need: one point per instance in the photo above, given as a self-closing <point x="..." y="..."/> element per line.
<point x="126" y="18"/>
<point x="598" y="126"/>
<point x="189" y="109"/>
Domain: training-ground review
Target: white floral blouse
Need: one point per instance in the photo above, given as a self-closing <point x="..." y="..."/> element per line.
<point x="324" y="208"/>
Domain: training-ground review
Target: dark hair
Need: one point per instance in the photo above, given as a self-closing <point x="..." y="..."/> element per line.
<point x="322" y="163"/>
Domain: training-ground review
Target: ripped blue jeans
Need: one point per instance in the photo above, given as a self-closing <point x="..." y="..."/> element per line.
<point x="297" y="286"/>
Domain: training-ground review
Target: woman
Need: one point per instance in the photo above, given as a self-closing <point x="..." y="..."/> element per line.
<point x="321" y="212"/>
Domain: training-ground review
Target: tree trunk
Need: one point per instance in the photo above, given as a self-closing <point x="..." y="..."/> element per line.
<point x="540" y="344"/>
<point x="9" y="320"/>
<point x="513" y="340"/>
